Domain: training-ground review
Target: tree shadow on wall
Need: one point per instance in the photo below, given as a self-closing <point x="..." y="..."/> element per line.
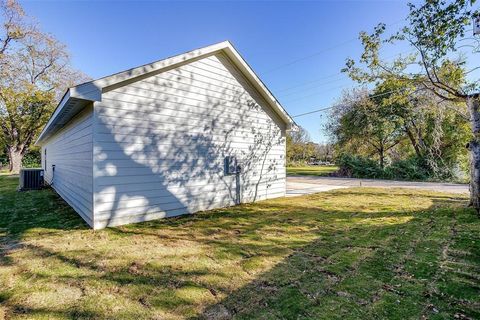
<point x="161" y="153"/>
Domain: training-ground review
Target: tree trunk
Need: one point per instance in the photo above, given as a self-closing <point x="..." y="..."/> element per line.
<point x="473" y="104"/>
<point x="382" y="157"/>
<point x="15" y="156"/>
<point x="415" y="145"/>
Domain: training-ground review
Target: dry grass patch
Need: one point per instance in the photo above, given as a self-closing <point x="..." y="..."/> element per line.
<point x="312" y="170"/>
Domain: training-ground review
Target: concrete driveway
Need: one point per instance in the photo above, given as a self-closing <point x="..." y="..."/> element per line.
<point x="300" y="185"/>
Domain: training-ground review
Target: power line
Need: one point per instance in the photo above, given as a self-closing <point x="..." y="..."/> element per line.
<point x="341" y="105"/>
<point x="311" y="55"/>
<point x="316" y="86"/>
<point x="339" y="73"/>
<point x="327" y="49"/>
<point x="346" y="86"/>
<point x="317" y="93"/>
<point x="344" y="77"/>
<point x="316" y="111"/>
<point x="309" y="82"/>
<point x="373" y="96"/>
<point x="321" y="51"/>
<point x="330" y="76"/>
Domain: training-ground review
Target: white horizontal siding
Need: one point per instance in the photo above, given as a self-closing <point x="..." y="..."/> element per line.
<point x="155" y="196"/>
<point x="71" y="151"/>
<point x="160" y="144"/>
<point x="170" y="179"/>
<point x="171" y="171"/>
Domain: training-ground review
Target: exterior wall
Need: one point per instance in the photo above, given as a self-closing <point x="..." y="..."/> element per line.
<point x="160" y="144"/>
<point x="70" y="150"/>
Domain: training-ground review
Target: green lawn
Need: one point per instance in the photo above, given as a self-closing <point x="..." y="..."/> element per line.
<point x="311" y="170"/>
<point x="349" y="254"/>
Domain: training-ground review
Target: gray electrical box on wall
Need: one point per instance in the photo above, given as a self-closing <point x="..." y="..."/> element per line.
<point x="231" y="166"/>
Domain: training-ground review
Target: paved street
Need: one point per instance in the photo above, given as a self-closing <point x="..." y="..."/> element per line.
<point x="300" y="185"/>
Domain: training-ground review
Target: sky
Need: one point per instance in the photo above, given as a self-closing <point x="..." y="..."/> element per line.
<point x="296" y="48"/>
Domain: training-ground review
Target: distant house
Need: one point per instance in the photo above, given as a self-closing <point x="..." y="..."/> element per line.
<point x="192" y="132"/>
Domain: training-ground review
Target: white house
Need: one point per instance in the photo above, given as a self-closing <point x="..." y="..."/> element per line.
<point x="167" y="138"/>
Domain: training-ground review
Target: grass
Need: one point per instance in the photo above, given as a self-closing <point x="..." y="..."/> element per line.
<point x="311" y="170"/>
<point x="349" y="254"/>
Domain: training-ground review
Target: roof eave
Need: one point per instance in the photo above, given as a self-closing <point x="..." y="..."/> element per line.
<point x="71" y="104"/>
<point x="233" y="54"/>
<point x="158" y="66"/>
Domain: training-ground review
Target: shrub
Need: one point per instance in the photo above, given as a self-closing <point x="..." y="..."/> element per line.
<point x="3" y="161"/>
<point x="32" y="159"/>
<point x="359" y="167"/>
<point x="413" y="168"/>
<point x="408" y="169"/>
<point x="300" y="163"/>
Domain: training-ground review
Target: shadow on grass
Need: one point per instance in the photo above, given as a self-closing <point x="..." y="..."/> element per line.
<point x="22" y="212"/>
<point x="366" y="271"/>
<point x="313" y="257"/>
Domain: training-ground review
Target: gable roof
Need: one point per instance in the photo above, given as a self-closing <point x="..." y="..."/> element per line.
<point x="76" y="98"/>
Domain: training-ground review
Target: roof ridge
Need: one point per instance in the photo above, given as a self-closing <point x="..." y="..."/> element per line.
<point x="79" y="96"/>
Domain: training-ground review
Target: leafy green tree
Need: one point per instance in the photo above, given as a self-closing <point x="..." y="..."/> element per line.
<point x="25" y="113"/>
<point x="434" y="29"/>
<point x="34" y="71"/>
<point x="437" y="130"/>
<point x="297" y="145"/>
<point x="361" y="122"/>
